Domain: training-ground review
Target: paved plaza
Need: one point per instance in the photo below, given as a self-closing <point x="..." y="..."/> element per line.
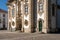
<point x="5" y="35"/>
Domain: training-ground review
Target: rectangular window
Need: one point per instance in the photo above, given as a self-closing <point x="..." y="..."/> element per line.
<point x="3" y="15"/>
<point x="4" y="26"/>
<point x="26" y="9"/>
<point x="41" y="3"/>
<point x="53" y="10"/>
<point x="3" y="20"/>
<point x="41" y="7"/>
<point x="12" y="12"/>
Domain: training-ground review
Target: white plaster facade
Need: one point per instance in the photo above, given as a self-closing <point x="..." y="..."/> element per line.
<point x="3" y="19"/>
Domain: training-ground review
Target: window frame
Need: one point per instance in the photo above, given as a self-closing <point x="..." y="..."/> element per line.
<point x="40" y="4"/>
<point x="13" y="12"/>
<point x="26" y="8"/>
<point x="41" y="7"/>
<point x="3" y="15"/>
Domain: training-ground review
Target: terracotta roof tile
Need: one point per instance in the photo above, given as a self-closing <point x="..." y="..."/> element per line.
<point x="3" y="11"/>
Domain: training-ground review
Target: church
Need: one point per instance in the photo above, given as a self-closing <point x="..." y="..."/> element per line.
<point x="31" y="16"/>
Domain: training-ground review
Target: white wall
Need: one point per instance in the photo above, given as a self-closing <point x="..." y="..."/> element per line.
<point x="6" y="20"/>
<point x="1" y="20"/>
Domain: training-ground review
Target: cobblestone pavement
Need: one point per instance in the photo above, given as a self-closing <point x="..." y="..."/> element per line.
<point x="5" y="35"/>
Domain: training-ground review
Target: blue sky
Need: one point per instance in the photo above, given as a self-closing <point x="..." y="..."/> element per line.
<point x="4" y="6"/>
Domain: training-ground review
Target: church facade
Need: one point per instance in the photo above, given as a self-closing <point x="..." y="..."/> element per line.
<point x="32" y="15"/>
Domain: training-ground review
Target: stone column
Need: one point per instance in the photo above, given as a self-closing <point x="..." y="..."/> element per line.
<point x="15" y="16"/>
<point x="27" y="28"/>
<point x="45" y="27"/>
<point x="9" y="18"/>
<point x="22" y="11"/>
<point x="37" y="28"/>
<point x="30" y="12"/>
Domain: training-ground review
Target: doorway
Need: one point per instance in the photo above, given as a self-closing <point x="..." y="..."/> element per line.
<point x="40" y="25"/>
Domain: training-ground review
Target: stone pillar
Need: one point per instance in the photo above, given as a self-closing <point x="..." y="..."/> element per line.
<point x="22" y="11"/>
<point x="37" y="28"/>
<point x="13" y="19"/>
<point x="9" y="18"/>
<point x="27" y="17"/>
<point x="45" y="27"/>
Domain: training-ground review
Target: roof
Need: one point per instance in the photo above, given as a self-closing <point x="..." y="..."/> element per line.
<point x="3" y="11"/>
<point x="10" y="0"/>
